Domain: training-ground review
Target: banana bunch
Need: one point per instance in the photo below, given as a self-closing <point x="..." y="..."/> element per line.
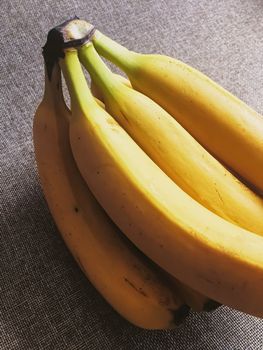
<point x="138" y="175"/>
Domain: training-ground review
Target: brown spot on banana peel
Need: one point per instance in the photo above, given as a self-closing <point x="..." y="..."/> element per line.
<point x="139" y="290"/>
<point x="164" y="301"/>
<point x="219" y="195"/>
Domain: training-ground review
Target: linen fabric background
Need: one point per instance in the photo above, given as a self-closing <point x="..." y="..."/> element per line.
<point x="46" y="302"/>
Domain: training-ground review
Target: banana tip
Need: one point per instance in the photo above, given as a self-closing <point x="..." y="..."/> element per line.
<point x="180" y="315"/>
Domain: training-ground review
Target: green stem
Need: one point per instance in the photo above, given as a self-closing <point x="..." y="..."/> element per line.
<point x="98" y="70"/>
<point x="80" y="95"/>
<point x="114" y="52"/>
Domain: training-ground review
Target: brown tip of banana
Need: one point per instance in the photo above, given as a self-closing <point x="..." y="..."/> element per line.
<point x="211" y="305"/>
<point x="179" y="315"/>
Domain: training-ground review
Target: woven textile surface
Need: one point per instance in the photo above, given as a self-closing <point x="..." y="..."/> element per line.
<point x="45" y="300"/>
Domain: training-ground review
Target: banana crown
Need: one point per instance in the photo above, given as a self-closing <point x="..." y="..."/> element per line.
<point x="69" y="34"/>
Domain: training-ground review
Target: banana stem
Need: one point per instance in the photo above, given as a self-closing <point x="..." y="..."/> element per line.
<point x="114" y="52"/>
<point x="80" y="94"/>
<point x="98" y="70"/>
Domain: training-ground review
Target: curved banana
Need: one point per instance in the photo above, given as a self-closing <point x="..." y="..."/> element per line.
<point x="211" y="255"/>
<point x="222" y="123"/>
<point x="119" y="272"/>
<point x="195" y="300"/>
<point x="174" y="150"/>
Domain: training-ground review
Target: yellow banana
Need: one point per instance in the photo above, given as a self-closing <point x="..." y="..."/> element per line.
<point x="174" y="150"/>
<point x="195" y="300"/>
<point x="222" y="123"/>
<point x="211" y="255"/>
<point x="119" y="272"/>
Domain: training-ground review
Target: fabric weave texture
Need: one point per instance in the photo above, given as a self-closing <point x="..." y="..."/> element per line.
<point x="45" y="300"/>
